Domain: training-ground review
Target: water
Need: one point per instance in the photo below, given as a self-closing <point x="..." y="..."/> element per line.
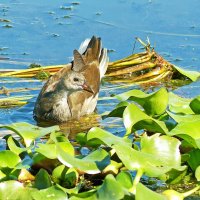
<point x="46" y="32"/>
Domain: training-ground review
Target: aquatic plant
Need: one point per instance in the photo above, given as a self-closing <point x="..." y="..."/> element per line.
<point x="161" y="143"/>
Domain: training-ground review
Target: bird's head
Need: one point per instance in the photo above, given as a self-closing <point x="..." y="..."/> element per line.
<point x="75" y="81"/>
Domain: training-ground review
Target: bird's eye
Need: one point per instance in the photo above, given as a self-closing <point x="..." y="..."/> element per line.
<point x="76" y="79"/>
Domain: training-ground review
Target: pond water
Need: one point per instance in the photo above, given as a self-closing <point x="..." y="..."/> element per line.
<point x="47" y="32"/>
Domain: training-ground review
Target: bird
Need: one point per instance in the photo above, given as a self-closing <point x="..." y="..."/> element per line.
<point x="73" y="91"/>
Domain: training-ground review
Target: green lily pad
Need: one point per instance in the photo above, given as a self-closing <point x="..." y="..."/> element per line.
<point x="135" y="118"/>
<point x="66" y="177"/>
<point x="189" y="131"/>
<point x="28" y="131"/>
<point x="194" y="160"/>
<point x="8" y="159"/>
<point x="184" y="118"/>
<point x="192" y="75"/>
<point x="110" y="189"/>
<point x="89" y="195"/>
<point x="179" y="104"/>
<point x="158" y="155"/>
<point x="42" y="180"/>
<point x="81" y="138"/>
<point x="162" y="147"/>
<point x="49" y="150"/>
<point x="94" y="163"/>
<point x="143" y="192"/>
<point x="14" y="148"/>
<point x="125" y="179"/>
<point x="197" y="173"/>
<point x="50" y="193"/>
<point x="195" y="105"/>
<point x="14" y="190"/>
<point x="118" y="111"/>
<point x="153" y="104"/>
<point x="107" y="138"/>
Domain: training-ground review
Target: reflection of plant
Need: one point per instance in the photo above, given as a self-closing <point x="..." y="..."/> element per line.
<point x="160" y="125"/>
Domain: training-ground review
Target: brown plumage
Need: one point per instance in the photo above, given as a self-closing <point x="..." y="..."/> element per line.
<point x="73" y="91"/>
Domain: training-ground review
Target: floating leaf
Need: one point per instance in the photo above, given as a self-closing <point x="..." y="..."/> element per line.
<point x="14" y="148"/>
<point x="184" y="118"/>
<point x="50" y="193"/>
<point x="197" y="173"/>
<point x="118" y="111"/>
<point x="194" y="160"/>
<point x="125" y="179"/>
<point x="110" y="189"/>
<point x="14" y="190"/>
<point x="49" y="150"/>
<point x="188" y="131"/>
<point x="81" y="138"/>
<point x="153" y="104"/>
<point x="8" y="159"/>
<point x="162" y="147"/>
<point x="154" y="160"/>
<point x="195" y="105"/>
<point x="94" y="163"/>
<point x="89" y="195"/>
<point x="135" y="118"/>
<point x="143" y="192"/>
<point x="42" y="180"/>
<point x="106" y="137"/>
<point x="172" y="194"/>
<point x="28" y="131"/>
<point x="178" y="104"/>
<point x="192" y="75"/>
<point x="66" y="177"/>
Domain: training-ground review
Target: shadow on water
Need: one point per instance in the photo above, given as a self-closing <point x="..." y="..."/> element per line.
<point x="47" y="32"/>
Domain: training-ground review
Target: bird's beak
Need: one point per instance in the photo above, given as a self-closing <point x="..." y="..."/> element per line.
<point x="87" y="88"/>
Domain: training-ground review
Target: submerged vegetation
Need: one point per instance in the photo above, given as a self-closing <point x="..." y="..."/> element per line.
<point x="161" y="142"/>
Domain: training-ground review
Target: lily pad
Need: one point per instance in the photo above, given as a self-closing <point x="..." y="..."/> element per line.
<point x="8" y="159"/>
<point x="154" y="160"/>
<point x="143" y="192"/>
<point x="118" y="111"/>
<point x="153" y="104"/>
<point x="184" y="118"/>
<point x="194" y="159"/>
<point x="50" y="193"/>
<point x="195" y="105"/>
<point x="94" y="163"/>
<point x="110" y="189"/>
<point x="106" y="137"/>
<point x="28" y="131"/>
<point x="197" y="173"/>
<point x="179" y="104"/>
<point x="125" y="179"/>
<point x="49" y="150"/>
<point x="42" y="180"/>
<point x="14" y="148"/>
<point x="188" y="131"/>
<point x="66" y="177"/>
<point x="192" y="75"/>
<point x="14" y="190"/>
<point x="135" y="118"/>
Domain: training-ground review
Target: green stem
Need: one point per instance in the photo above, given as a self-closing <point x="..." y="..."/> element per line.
<point x="188" y="193"/>
<point x="136" y="181"/>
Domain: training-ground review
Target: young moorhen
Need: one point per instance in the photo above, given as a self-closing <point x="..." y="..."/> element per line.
<point x="73" y="91"/>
